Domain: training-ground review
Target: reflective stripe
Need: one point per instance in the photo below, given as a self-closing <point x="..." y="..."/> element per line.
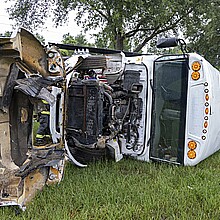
<point x="45" y="113"/>
<point x="44" y="101"/>
<point x="39" y="136"/>
<point x="47" y="135"/>
<point x="42" y="135"/>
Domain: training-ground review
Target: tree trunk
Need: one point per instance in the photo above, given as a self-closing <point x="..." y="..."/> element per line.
<point x="119" y="41"/>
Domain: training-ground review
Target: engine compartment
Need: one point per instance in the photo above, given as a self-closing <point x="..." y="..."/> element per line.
<point x="105" y="102"/>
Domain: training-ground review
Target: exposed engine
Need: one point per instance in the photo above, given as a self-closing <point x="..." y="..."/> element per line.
<point x="104" y="111"/>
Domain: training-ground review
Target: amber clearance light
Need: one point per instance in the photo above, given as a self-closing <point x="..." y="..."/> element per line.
<point x="191" y="154"/>
<point x="196" y="66"/>
<point x="195" y="75"/>
<point x="205" y="124"/>
<point x="207" y="111"/>
<point x="207" y="97"/>
<point x="192" y="145"/>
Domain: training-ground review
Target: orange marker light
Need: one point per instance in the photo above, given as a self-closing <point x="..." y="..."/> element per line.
<point x="207" y="111"/>
<point x="195" y="75"/>
<point x="207" y="97"/>
<point x="196" y="66"/>
<point x="191" y="154"/>
<point x="192" y="145"/>
<point x="205" y="124"/>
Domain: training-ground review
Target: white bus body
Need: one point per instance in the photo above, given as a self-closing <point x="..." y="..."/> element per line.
<point x="179" y="106"/>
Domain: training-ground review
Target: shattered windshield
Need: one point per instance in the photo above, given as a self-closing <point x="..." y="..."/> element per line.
<point x="169" y="110"/>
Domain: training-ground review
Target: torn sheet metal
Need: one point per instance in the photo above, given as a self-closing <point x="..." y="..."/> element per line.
<point x="28" y="49"/>
<point x="35" y="87"/>
<point x="25" y="80"/>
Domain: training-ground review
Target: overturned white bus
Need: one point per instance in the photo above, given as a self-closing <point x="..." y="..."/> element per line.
<point x="159" y="108"/>
<point x="102" y="104"/>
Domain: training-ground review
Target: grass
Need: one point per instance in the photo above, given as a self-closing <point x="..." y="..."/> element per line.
<point x="127" y="190"/>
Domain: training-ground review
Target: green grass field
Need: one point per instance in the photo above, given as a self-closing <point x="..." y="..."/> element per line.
<point x="127" y="190"/>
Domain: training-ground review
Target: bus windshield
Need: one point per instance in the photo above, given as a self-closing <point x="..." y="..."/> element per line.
<point x="169" y="110"/>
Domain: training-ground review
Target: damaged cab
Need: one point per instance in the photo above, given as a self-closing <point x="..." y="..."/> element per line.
<point x="29" y="74"/>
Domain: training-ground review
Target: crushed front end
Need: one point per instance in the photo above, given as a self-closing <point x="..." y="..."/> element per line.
<point x="29" y="73"/>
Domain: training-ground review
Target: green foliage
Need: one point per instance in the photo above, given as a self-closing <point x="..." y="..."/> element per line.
<point x="40" y="38"/>
<point x="205" y="38"/>
<point x="80" y="39"/>
<point x="30" y="14"/>
<point x="129" y="189"/>
<point x="130" y="25"/>
<point x="6" y="34"/>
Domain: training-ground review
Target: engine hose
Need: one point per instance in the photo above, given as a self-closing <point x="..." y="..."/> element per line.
<point x="112" y="112"/>
<point x="109" y="97"/>
<point x="126" y="112"/>
<point x="107" y="87"/>
<point x="72" y="158"/>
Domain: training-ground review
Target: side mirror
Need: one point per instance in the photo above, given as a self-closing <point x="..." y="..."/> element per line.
<point x="167" y="42"/>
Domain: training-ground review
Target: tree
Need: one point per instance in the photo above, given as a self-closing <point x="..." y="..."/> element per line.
<point x="119" y="24"/>
<point x="205" y="39"/>
<point x="40" y="38"/>
<point x="79" y="39"/>
<point x="6" y="34"/>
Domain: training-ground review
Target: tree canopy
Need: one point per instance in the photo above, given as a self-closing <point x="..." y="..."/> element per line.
<point x="9" y="33"/>
<point x="204" y="38"/>
<point x="79" y="39"/>
<point x="6" y="34"/>
<point x="125" y="24"/>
